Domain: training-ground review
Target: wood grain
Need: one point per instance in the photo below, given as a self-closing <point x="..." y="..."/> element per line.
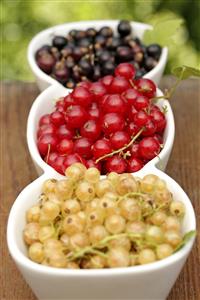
<point x="18" y="171"/>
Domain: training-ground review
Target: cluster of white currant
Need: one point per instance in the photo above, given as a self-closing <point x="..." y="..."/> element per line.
<point x="83" y="221"/>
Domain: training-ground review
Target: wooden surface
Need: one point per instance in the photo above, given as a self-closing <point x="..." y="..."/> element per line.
<point x="18" y="171"/>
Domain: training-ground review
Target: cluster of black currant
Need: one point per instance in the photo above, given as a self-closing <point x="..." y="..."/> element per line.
<point x="90" y="54"/>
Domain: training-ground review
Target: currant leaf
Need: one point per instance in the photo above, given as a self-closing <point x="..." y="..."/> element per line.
<point x="186" y="239"/>
<point x="184" y="72"/>
<point x="162" y="32"/>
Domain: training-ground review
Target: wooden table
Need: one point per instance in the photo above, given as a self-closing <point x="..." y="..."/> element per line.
<point x="18" y="171"/>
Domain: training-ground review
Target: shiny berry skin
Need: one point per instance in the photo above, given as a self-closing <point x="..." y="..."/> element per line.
<point x="159" y="120"/>
<point x="58" y="164"/>
<point x="141" y="102"/>
<point x="116" y="164"/>
<point x="125" y="70"/>
<point x="94" y="113"/>
<point x="71" y="159"/>
<point x="76" y="116"/>
<point x="132" y="112"/>
<point x="46" y="142"/>
<point x="119" y="139"/>
<point x="46" y="62"/>
<point x="57" y="118"/>
<point x="45" y="119"/>
<point x="101" y="148"/>
<point x="118" y="85"/>
<point x="124" y="54"/>
<point x="131" y="95"/>
<point x="85" y="84"/>
<point x="106" y="80"/>
<point x="82" y="146"/>
<point x="65" y="146"/>
<point x="91" y="130"/>
<point x="98" y="90"/>
<point x="146" y="86"/>
<point x="154" y="50"/>
<point x="132" y="129"/>
<point x="82" y="96"/>
<point x="114" y="103"/>
<point x="59" y="42"/>
<point x="134" y="150"/>
<point x="141" y="118"/>
<point x="64" y="132"/>
<point x="46" y="129"/>
<point x="90" y="163"/>
<point x="112" y="122"/>
<point x="148" y="148"/>
<point x="149" y="129"/>
<point x="124" y="28"/>
<point x="50" y="159"/>
<point x="134" y="164"/>
<point x="69" y="100"/>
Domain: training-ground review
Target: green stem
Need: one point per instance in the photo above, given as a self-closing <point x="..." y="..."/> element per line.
<point x="121" y="149"/>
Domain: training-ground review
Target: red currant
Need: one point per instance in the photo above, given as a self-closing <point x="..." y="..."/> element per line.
<point x="50" y="159"/>
<point x="45" y="119"/>
<point x="114" y="103"/>
<point x="101" y="148"/>
<point x="131" y="95"/>
<point x="141" y="102"/>
<point x="69" y="100"/>
<point x="82" y="96"/>
<point x="58" y="164"/>
<point x="106" y="80"/>
<point x="82" y="146"/>
<point x="112" y="122"/>
<point x="46" y="142"/>
<point x="119" y="139"/>
<point x="146" y="86"/>
<point x="90" y="163"/>
<point x="159" y="120"/>
<point x="65" y="146"/>
<point x="64" y="132"/>
<point x="85" y="84"/>
<point x="134" y="164"/>
<point x="141" y="118"/>
<point x="149" y="148"/>
<point x="46" y="129"/>
<point x="98" y="90"/>
<point x="131" y="112"/>
<point x="149" y="129"/>
<point x="118" y="85"/>
<point x="116" y="164"/>
<point x="125" y="70"/>
<point x="75" y="116"/>
<point x="134" y="150"/>
<point x="57" y="118"/>
<point x="71" y="159"/>
<point x="91" y="130"/>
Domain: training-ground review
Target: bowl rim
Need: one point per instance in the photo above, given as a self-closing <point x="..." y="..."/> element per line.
<point x="49" y="31"/>
<point x="24" y="262"/>
<point x="32" y="145"/>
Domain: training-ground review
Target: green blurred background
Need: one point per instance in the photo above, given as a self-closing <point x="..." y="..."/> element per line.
<point x="21" y="20"/>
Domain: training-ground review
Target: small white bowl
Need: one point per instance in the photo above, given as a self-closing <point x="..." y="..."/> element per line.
<point x="45" y="37"/>
<point x="145" y="282"/>
<point x="44" y="104"/>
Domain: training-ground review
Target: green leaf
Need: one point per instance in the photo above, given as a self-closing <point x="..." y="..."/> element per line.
<point x="185" y="240"/>
<point x="185" y="72"/>
<point x="162" y="32"/>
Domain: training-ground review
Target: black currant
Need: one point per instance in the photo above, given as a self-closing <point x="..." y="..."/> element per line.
<point x="124" y="28"/>
<point x="59" y="42"/>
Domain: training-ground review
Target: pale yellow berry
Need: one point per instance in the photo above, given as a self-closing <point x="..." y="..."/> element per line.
<point x="36" y="252"/>
<point x="31" y="233"/>
<point x="33" y="214"/>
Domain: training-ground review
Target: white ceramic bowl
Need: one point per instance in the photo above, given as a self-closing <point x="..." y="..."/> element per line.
<point x="147" y="282"/>
<point x="45" y="37"/>
<point x="44" y="104"/>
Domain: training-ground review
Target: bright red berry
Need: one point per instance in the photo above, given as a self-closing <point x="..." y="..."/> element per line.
<point x="101" y="148"/>
<point x="132" y="129"/>
<point x="47" y="142"/>
<point x="71" y="159"/>
<point x="149" y="148"/>
<point x="116" y="164"/>
<point x="64" y="132"/>
<point x="112" y="122"/>
<point x="134" y="150"/>
<point x="90" y="163"/>
<point x="131" y="95"/>
<point x="141" y="118"/>
<point x="159" y="120"/>
<point x="82" y="146"/>
<point x="91" y="130"/>
<point x="46" y="129"/>
<point x="82" y="96"/>
<point x="114" y="103"/>
<point x="134" y="164"/>
<point x="119" y="139"/>
<point x="45" y="119"/>
<point x="57" y="118"/>
<point x="98" y="90"/>
<point x="141" y="102"/>
<point x="146" y="86"/>
<point x="75" y="116"/>
<point x="125" y="70"/>
<point x="118" y="85"/>
<point x="65" y="146"/>
<point x="106" y="80"/>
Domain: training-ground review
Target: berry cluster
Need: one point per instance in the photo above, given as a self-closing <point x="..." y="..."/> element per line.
<point x="85" y="222"/>
<point x="111" y="124"/>
<point x="91" y="54"/>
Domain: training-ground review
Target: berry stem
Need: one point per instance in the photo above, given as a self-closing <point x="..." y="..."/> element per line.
<point x="48" y="152"/>
<point x="121" y="149"/>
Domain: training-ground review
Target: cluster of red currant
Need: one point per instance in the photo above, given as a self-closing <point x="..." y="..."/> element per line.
<point x="111" y="124"/>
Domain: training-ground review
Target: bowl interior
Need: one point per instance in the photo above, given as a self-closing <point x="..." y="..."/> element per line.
<point x="44" y="104"/>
